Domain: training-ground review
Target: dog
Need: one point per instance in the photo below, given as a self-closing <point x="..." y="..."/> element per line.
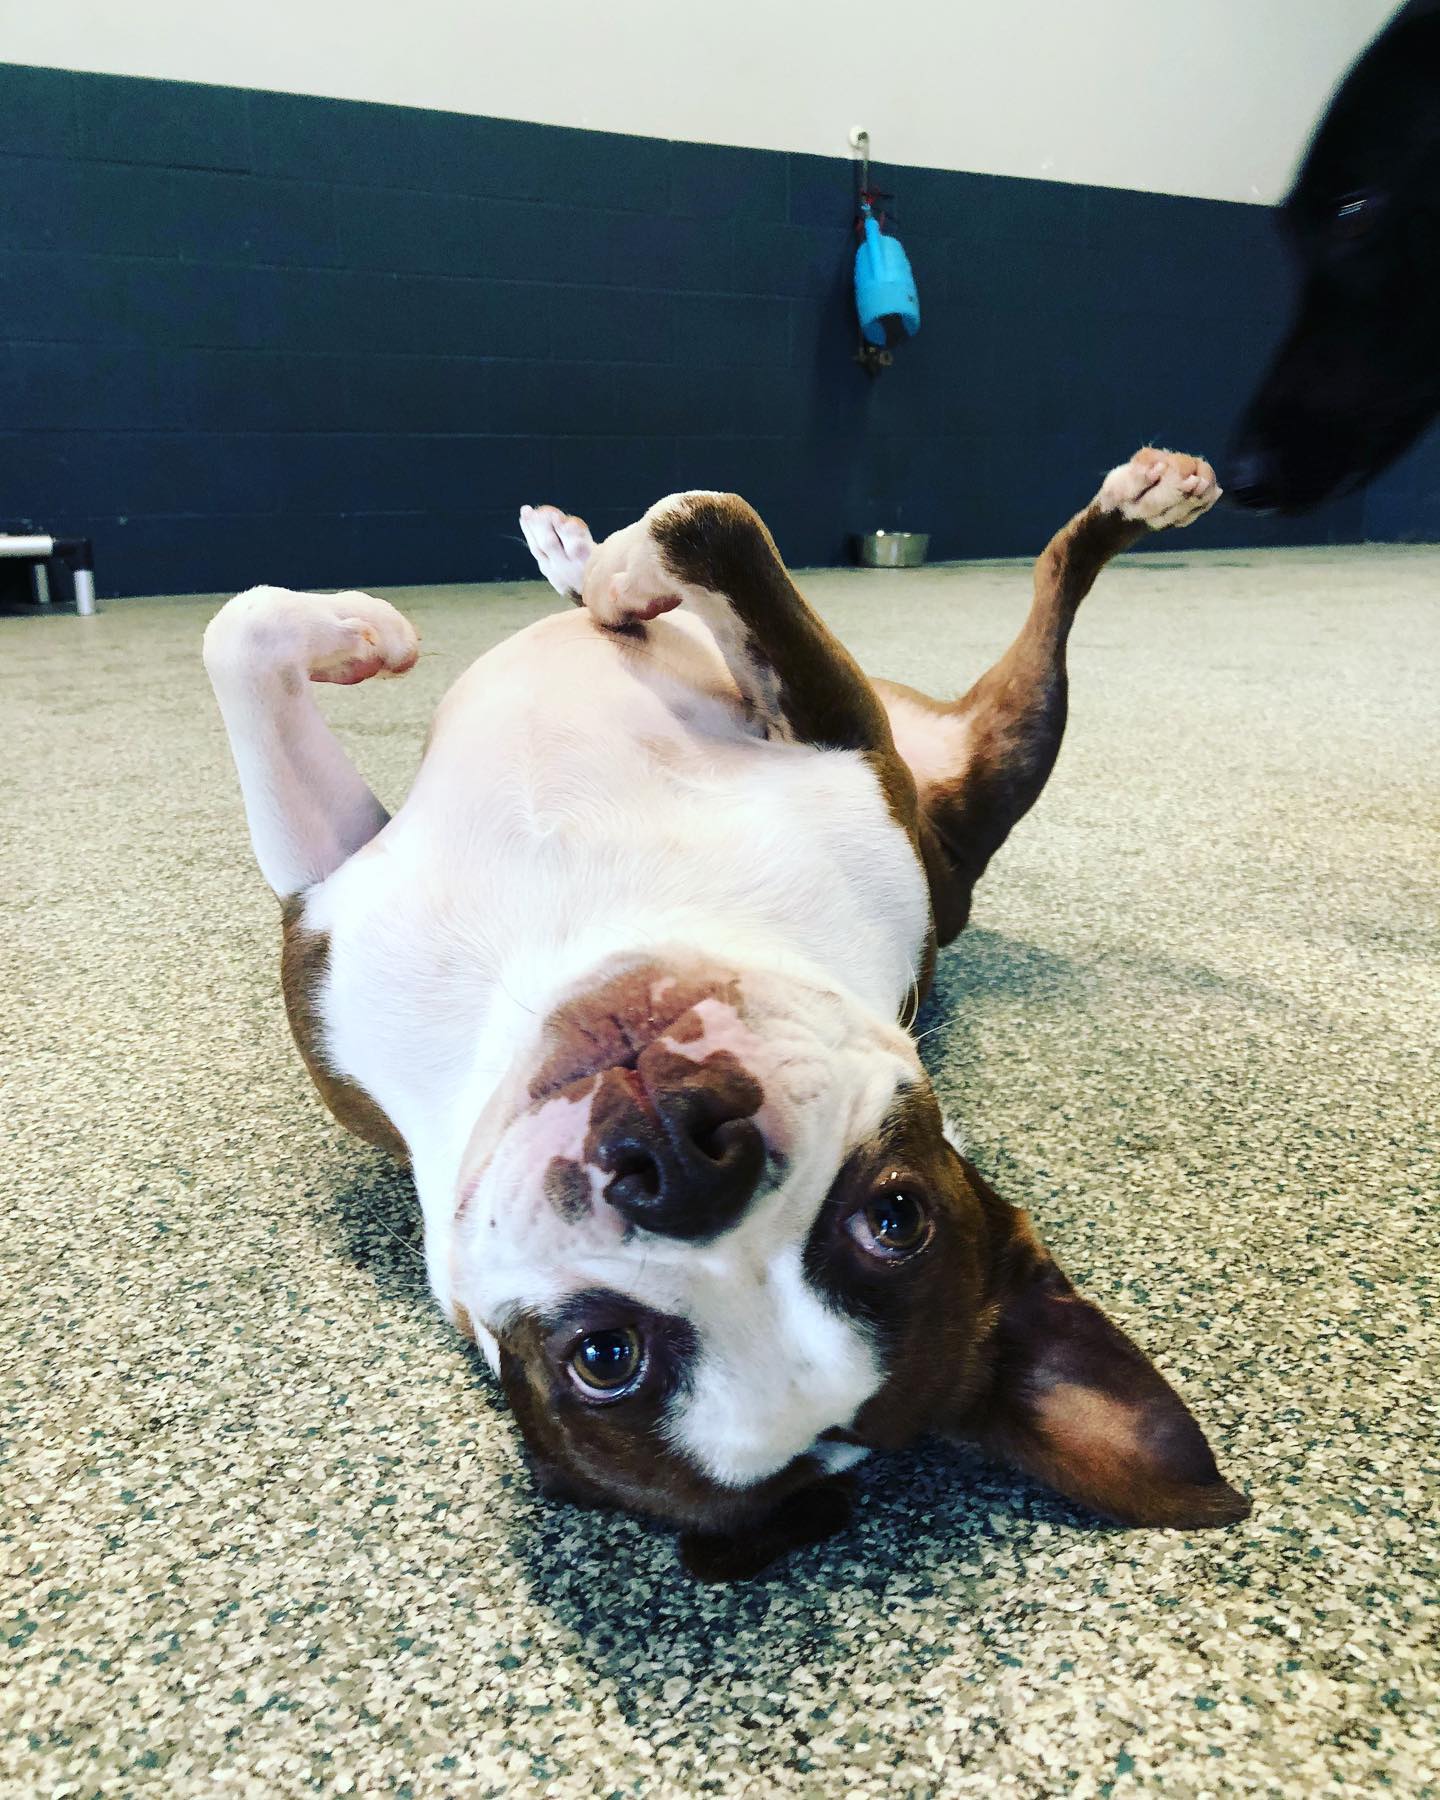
<point x="625" y="981"/>
<point x="1357" y="378"/>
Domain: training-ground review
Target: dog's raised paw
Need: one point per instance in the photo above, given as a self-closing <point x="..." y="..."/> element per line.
<point x="340" y="638"/>
<point x="561" y="544"/>
<point x="1161" y="488"/>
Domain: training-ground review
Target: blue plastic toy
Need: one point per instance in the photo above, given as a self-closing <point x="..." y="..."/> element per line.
<point x="885" y="296"/>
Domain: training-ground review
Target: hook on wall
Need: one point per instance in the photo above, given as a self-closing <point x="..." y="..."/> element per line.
<point x="860" y="140"/>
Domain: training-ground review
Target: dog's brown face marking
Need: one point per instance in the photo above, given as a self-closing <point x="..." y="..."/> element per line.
<point x="986" y="1339"/>
<point x="567" y="1187"/>
<point x="617" y="1454"/>
<point x="669" y="1133"/>
<point x="928" y="1310"/>
<point x="608" y="1026"/>
<point x="686" y="1029"/>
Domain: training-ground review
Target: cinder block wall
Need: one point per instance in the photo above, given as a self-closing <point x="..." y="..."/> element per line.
<point x="249" y="336"/>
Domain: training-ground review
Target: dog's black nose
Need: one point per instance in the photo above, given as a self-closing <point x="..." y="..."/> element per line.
<point x="679" y="1141"/>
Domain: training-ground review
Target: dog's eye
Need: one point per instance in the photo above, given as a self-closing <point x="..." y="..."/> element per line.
<point x="1354" y="215"/>
<point x="606" y="1364"/>
<point x="895" y="1224"/>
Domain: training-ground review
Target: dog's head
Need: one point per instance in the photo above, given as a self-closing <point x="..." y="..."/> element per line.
<point x="1358" y="376"/>
<point x="724" y="1246"/>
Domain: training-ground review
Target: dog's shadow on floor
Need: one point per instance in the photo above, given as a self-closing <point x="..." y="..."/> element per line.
<point x="981" y="973"/>
<point x="374" y="1210"/>
<point x="981" y="962"/>
<point x="936" y="1517"/>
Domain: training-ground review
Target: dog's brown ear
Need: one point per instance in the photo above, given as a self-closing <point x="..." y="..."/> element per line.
<point x="808" y="1516"/>
<point x="1075" y="1403"/>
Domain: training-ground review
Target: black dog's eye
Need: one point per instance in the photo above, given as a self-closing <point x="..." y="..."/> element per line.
<point x="1354" y="215"/>
<point x="895" y="1224"/>
<point x="606" y="1364"/>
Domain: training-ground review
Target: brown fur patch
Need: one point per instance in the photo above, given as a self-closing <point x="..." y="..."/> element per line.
<point x="1091" y="1424"/>
<point x="304" y="961"/>
<point x="607" y="1026"/>
<point x="927" y="1313"/>
<point x="687" y="1028"/>
<point x="567" y="1187"/>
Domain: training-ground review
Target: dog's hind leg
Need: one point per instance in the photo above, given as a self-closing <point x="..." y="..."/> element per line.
<point x="712" y="553"/>
<point x="307" y="807"/>
<point x="981" y="761"/>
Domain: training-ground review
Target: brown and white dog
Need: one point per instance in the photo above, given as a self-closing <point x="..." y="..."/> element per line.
<point x="626" y="981"/>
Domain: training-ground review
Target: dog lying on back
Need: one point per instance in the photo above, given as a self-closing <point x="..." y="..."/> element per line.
<point x="1357" y="379"/>
<point x="625" y="981"/>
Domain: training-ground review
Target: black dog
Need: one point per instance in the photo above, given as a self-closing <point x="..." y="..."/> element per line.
<point x="1358" y="377"/>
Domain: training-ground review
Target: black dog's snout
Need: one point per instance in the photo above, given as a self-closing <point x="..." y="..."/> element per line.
<point x="679" y="1141"/>
<point x="1251" y="480"/>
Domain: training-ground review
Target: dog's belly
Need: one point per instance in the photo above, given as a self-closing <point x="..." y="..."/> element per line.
<point x="578" y="801"/>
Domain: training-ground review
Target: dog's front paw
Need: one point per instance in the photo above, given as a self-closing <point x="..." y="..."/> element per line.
<point x="340" y="638"/>
<point x="626" y="582"/>
<point x="561" y="544"/>
<point x="1160" y="488"/>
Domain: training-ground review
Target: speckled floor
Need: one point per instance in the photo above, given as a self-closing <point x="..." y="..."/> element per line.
<point x="266" y="1530"/>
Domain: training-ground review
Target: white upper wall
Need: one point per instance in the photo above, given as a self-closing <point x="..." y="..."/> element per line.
<point x="1214" y="100"/>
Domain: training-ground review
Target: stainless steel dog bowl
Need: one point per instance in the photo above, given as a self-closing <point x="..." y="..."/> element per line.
<point x="892" y="549"/>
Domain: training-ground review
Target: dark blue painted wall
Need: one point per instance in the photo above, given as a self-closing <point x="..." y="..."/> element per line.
<point x="258" y="337"/>
<point x="1404" y="504"/>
